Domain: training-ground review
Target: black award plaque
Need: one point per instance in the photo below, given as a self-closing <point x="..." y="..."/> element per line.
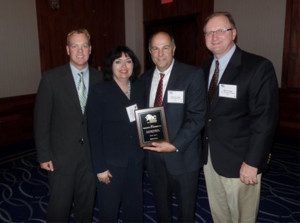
<point x="151" y="125"/>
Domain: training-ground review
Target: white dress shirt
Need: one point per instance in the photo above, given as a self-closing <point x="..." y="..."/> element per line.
<point x="155" y="81"/>
<point x="222" y="64"/>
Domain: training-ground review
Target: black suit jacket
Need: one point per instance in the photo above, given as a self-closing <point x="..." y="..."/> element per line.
<point x="242" y="129"/>
<point x="60" y="126"/>
<point x="113" y="138"/>
<point x="185" y="120"/>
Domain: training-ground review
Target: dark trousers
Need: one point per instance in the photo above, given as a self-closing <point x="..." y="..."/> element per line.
<point x="125" y="192"/>
<point x="184" y="186"/>
<point x="77" y="188"/>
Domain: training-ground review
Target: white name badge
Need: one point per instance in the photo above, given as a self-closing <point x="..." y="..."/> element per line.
<point x="176" y="97"/>
<point x="227" y="90"/>
<point x="130" y="112"/>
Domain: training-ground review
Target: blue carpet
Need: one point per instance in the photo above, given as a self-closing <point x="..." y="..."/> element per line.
<point x="25" y="191"/>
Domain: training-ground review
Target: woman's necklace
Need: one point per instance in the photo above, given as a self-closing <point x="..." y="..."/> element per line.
<point x="128" y="90"/>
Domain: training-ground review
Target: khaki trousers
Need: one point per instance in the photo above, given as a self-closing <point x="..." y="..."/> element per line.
<point x="230" y="200"/>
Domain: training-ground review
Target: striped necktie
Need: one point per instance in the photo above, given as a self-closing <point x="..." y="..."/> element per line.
<point x="213" y="83"/>
<point x="81" y="92"/>
<point x="159" y="93"/>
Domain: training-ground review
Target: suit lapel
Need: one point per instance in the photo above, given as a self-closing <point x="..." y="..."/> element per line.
<point x="232" y="68"/>
<point x="171" y="83"/>
<point x="92" y="77"/>
<point x="231" y="71"/>
<point x="133" y="95"/>
<point x="206" y="69"/>
<point x="71" y="87"/>
<point x="148" y="78"/>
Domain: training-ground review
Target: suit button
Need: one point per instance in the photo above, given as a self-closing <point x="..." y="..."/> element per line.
<point x="81" y="141"/>
<point x="206" y="138"/>
<point x="209" y="120"/>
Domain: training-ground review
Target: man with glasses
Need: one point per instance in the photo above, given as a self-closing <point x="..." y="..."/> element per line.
<point x="174" y="166"/>
<point x="240" y="124"/>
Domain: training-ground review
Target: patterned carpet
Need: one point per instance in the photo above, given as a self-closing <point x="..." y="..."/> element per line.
<point x="24" y="191"/>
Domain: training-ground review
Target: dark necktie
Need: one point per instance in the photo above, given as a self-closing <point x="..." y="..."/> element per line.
<point x="213" y="83"/>
<point x="159" y="93"/>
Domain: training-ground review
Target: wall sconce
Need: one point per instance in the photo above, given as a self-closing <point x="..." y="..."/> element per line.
<point x="54" y="4"/>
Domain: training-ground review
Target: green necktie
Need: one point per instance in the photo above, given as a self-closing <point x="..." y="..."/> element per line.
<point x="81" y="92"/>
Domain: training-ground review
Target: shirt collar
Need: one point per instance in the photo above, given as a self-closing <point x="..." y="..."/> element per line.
<point x="76" y="71"/>
<point x="167" y="71"/>
<point x="223" y="61"/>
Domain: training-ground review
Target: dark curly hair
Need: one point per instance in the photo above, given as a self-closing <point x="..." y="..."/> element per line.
<point x="116" y="53"/>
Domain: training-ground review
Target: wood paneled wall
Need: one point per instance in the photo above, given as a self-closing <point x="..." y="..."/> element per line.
<point x="289" y="123"/>
<point x="105" y="20"/>
<point x="155" y="10"/>
<point x="16" y="119"/>
<point x="290" y="83"/>
<point x="291" y="52"/>
<point x="156" y="13"/>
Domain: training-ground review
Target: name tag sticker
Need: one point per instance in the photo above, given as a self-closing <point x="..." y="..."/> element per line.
<point x="130" y="112"/>
<point x="227" y="91"/>
<point x="176" y="97"/>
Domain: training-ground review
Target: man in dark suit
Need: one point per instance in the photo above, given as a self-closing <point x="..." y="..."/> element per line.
<point x="174" y="166"/>
<point x="240" y="123"/>
<point x="61" y="135"/>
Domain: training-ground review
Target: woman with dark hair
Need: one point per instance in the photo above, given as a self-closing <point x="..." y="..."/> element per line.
<point x="116" y="154"/>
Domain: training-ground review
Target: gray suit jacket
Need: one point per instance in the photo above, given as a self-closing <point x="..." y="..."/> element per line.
<point x="59" y="125"/>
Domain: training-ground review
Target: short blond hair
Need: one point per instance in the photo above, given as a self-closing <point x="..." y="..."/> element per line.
<point x="79" y="31"/>
<point x="215" y="14"/>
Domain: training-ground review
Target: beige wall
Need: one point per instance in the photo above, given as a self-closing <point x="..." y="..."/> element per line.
<point x="20" y="60"/>
<point x="260" y="25"/>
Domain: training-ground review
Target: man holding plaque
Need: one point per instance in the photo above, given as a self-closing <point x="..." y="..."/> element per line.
<point x="174" y="166"/>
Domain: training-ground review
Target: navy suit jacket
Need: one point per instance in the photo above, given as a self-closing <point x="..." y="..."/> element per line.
<point x="113" y="138"/>
<point x="184" y="120"/>
<point x="60" y="126"/>
<point x="242" y="129"/>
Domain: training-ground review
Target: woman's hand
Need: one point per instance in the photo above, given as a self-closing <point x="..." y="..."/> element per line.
<point x="104" y="177"/>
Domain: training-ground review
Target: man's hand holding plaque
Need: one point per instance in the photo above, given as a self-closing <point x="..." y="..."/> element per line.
<point x="161" y="147"/>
